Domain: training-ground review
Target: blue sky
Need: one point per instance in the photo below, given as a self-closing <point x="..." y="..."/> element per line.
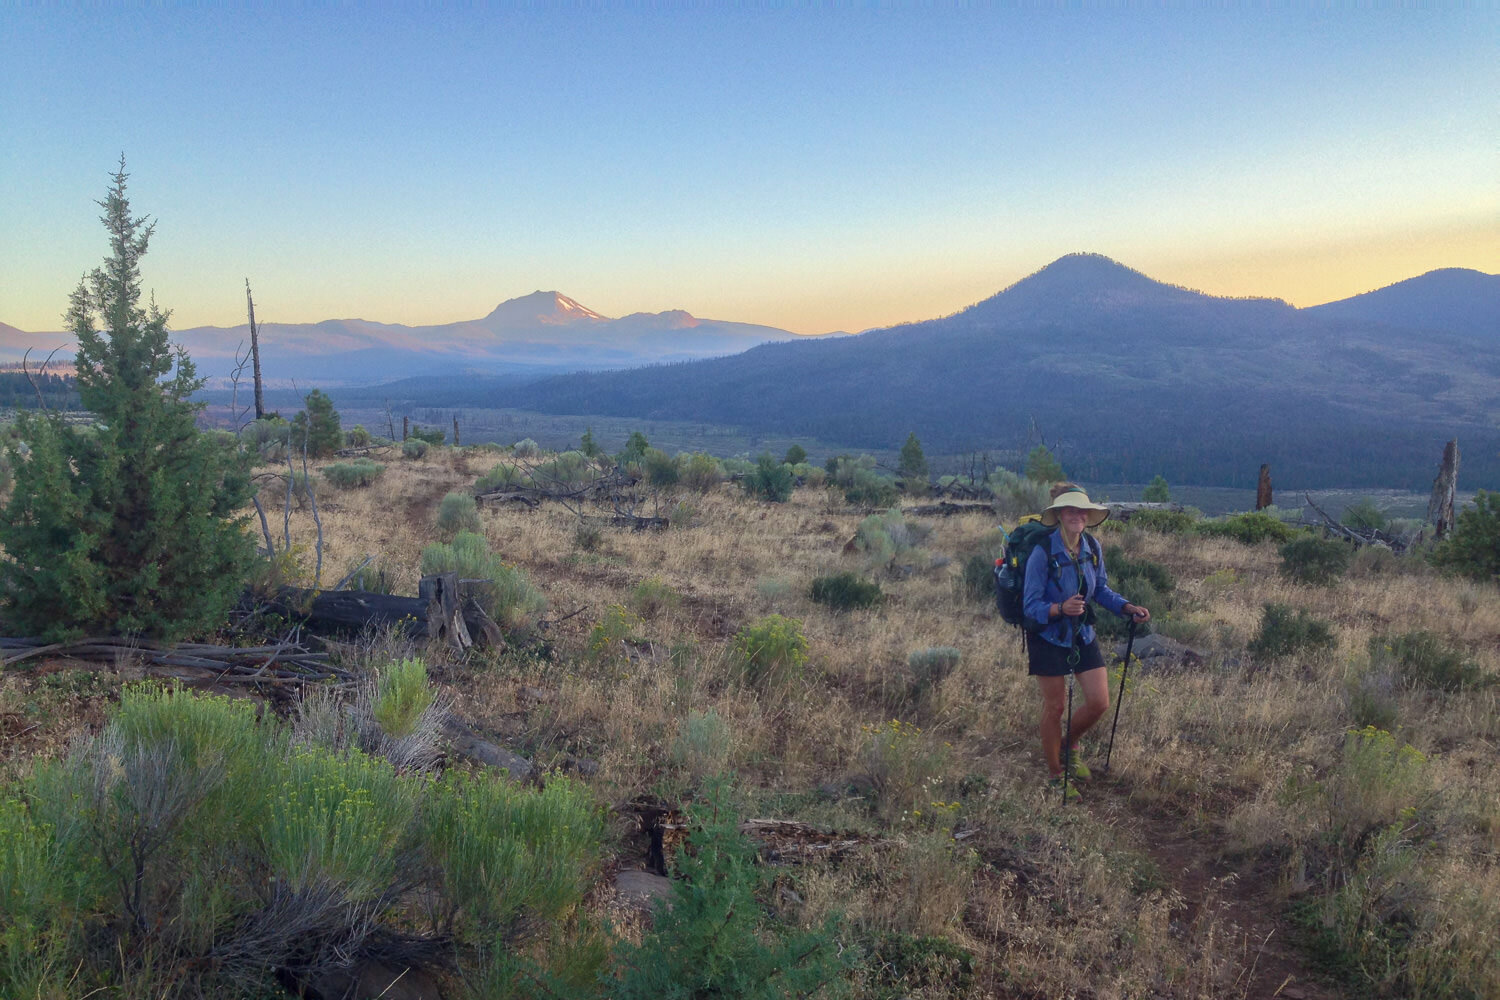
<point x="813" y="169"/>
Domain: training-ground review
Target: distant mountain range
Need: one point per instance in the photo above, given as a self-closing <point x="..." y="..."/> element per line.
<point x="1125" y="377"/>
<point x="537" y="333"/>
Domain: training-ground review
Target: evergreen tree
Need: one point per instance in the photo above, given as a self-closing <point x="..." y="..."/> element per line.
<point x="913" y="465"/>
<point x="318" y="426"/>
<point x="1042" y="467"/>
<point x="129" y="526"/>
<point x="795" y="455"/>
<point x="1157" y="491"/>
<point x="635" y="448"/>
<point x="588" y="445"/>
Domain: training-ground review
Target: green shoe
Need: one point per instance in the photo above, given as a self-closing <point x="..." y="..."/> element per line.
<point x="1079" y="769"/>
<point x="1055" y="787"/>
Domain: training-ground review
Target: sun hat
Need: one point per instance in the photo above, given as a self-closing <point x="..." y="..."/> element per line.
<point x="1075" y="497"/>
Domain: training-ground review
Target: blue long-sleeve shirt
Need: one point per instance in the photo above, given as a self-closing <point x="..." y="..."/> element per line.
<point x="1045" y="588"/>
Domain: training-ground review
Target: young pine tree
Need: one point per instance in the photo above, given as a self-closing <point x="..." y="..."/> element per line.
<point x="914" y="465"/>
<point x="128" y="526"/>
<point x="318" y="427"/>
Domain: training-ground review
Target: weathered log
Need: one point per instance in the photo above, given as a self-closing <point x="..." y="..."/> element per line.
<point x="507" y="496"/>
<point x="1122" y="511"/>
<point x="1444" y="492"/>
<point x="947" y="508"/>
<point x="352" y="609"/>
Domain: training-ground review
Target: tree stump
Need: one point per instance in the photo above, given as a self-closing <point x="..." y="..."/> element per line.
<point x="1444" y="489"/>
<point x="1263" y="498"/>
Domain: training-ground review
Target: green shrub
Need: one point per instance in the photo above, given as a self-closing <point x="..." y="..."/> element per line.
<point x="526" y="448"/>
<point x="713" y="938"/>
<point x="1157" y="491"/>
<point x="267" y="437"/>
<point x="979" y="567"/>
<point x="795" y="455"/>
<point x="913" y="466"/>
<point x="884" y="540"/>
<point x="192" y="848"/>
<point x="1017" y="495"/>
<point x="357" y="437"/>
<point x="457" y="513"/>
<point x="929" y="667"/>
<point x="870" y="490"/>
<point x="1165" y="522"/>
<point x="652" y="596"/>
<point x="769" y="480"/>
<point x="402" y="695"/>
<point x="504" y="476"/>
<point x="845" y="591"/>
<point x="662" y="470"/>
<point x="504" y="851"/>
<point x="610" y="636"/>
<point x="1472" y="549"/>
<point x="700" y="472"/>
<point x="1250" y="528"/>
<point x="413" y="448"/>
<point x="1363" y="515"/>
<point x="771" y="651"/>
<point x="434" y="436"/>
<point x="1422" y="659"/>
<point x="567" y="470"/>
<point x="348" y="475"/>
<point x="1284" y="632"/>
<point x="702" y="745"/>
<point x="509" y="598"/>
<point x="1139" y="581"/>
<point x="1316" y="561"/>
<point x="921" y="965"/>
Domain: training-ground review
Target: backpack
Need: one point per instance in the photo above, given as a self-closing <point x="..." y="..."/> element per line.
<point x="1010" y="569"/>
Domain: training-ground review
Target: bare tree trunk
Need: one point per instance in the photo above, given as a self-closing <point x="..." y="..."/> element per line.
<point x="260" y="399"/>
<point x="1444" y="488"/>
<point x="1263" y="498"/>
<point x="405" y="427"/>
<point x="455" y="430"/>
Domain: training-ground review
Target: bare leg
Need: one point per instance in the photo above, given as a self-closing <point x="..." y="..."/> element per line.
<point x="1054" y="700"/>
<point x="1095" y="686"/>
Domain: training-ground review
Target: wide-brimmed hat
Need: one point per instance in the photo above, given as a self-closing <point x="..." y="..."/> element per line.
<point x="1098" y="514"/>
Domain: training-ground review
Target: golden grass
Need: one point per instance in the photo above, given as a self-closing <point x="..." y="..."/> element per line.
<point x="1052" y="901"/>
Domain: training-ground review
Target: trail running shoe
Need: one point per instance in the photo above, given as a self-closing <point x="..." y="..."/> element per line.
<point x="1080" y="770"/>
<point x="1055" y="787"/>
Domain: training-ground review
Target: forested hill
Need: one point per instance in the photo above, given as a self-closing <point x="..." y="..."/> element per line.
<point x="1126" y="377"/>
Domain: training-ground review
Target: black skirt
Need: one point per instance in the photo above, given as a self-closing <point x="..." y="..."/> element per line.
<point x="1045" y="659"/>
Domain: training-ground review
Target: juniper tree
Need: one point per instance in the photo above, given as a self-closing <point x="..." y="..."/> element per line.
<point x="130" y="525"/>
<point x="318" y="426"/>
<point x="913" y="465"/>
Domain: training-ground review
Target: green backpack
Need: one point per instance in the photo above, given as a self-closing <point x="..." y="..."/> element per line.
<point x="1010" y="569"/>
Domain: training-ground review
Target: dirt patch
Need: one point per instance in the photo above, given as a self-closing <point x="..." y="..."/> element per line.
<point x="1241" y="899"/>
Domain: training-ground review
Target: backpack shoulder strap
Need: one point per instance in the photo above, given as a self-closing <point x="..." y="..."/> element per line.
<point x="1092" y="544"/>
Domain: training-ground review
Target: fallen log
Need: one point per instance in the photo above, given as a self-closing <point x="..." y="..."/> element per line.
<point x="445" y="608"/>
<point x="947" y="508"/>
<point x="281" y="663"/>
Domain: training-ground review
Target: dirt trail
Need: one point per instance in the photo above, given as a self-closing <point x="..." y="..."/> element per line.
<point x="1242" y="900"/>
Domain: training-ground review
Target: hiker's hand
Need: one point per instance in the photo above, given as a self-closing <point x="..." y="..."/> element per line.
<point x="1137" y="612"/>
<point x="1073" y="606"/>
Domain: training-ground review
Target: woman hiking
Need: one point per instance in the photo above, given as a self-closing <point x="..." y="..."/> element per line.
<point x="1064" y="572"/>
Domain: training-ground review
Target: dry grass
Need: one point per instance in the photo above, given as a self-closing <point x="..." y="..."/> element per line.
<point x="1052" y="901"/>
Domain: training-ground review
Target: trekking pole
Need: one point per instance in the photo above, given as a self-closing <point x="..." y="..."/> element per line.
<point x="1068" y="742"/>
<point x="1124" y="669"/>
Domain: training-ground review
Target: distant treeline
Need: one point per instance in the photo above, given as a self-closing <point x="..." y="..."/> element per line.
<point x="58" y="392"/>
